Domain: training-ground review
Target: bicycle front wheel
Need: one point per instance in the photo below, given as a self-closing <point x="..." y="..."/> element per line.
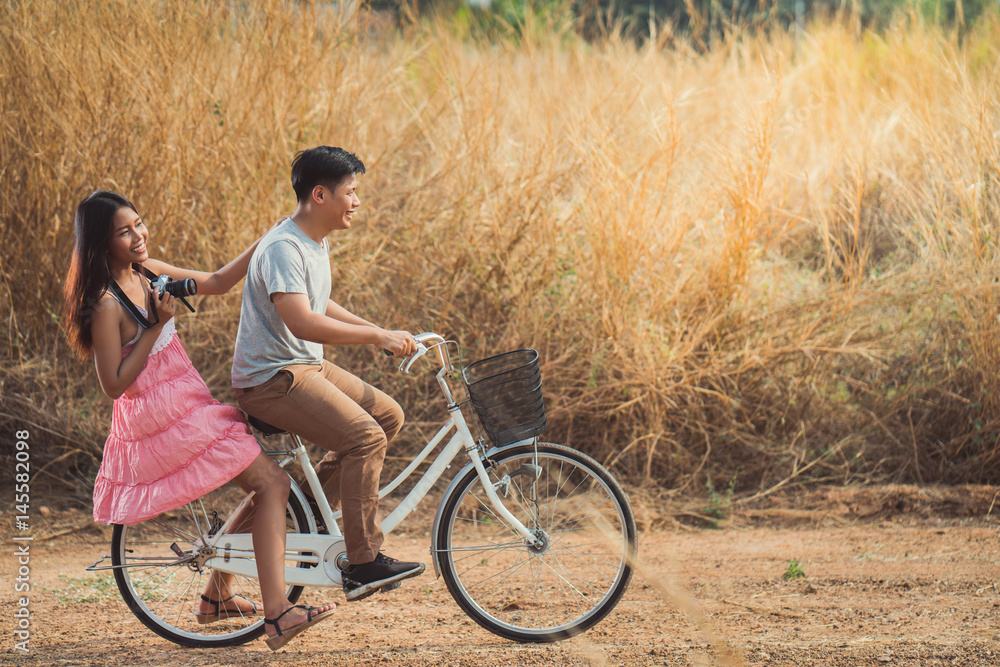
<point x="538" y="593"/>
<point x="163" y="588"/>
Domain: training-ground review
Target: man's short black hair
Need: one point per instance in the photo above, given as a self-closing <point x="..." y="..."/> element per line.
<point x="323" y="165"/>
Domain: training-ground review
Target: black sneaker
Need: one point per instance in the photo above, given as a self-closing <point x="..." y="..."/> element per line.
<point x="383" y="573"/>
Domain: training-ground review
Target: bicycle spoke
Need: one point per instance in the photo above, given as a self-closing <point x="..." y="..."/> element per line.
<point x="577" y="550"/>
<point x="488" y="508"/>
<point x="567" y="573"/>
<point x="494" y="546"/>
<point x="564" y="533"/>
<point x="501" y="573"/>
<point x="183" y="535"/>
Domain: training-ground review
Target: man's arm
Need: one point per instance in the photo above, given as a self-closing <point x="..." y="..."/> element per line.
<point x="338" y="326"/>
<point x="335" y="311"/>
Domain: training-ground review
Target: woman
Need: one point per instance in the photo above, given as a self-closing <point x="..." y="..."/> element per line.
<point x="170" y="442"/>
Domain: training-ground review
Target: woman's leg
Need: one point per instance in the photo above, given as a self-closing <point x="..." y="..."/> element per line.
<point x="270" y="485"/>
<point x="218" y="590"/>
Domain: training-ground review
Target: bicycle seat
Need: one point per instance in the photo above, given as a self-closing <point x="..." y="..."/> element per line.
<point x="264" y="427"/>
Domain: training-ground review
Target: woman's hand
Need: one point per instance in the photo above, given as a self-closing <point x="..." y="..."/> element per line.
<point x="165" y="304"/>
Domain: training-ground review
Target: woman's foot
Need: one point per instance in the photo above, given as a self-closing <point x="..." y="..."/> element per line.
<point x="234" y="606"/>
<point x="281" y="629"/>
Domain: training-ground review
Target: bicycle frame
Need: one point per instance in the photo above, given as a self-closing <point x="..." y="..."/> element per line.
<point x="234" y="552"/>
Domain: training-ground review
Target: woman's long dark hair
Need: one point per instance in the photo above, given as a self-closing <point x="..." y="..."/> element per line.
<point x="89" y="273"/>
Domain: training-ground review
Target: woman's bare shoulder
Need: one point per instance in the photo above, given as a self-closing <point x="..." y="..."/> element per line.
<point x="107" y="307"/>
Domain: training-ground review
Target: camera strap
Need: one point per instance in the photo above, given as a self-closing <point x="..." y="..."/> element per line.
<point x="130" y="307"/>
<point x="123" y="299"/>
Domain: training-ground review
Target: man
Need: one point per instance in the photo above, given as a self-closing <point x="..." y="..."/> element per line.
<point x="280" y="374"/>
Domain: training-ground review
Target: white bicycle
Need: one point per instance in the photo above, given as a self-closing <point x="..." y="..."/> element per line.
<point x="535" y="541"/>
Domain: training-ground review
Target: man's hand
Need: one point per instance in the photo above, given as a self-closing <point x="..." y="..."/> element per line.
<point x="399" y="343"/>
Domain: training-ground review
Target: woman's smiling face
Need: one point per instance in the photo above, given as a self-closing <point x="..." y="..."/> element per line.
<point x="127" y="244"/>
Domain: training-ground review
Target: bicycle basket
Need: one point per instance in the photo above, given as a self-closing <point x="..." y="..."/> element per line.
<point x="506" y="393"/>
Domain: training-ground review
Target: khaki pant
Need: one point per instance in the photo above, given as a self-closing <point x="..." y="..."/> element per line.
<point x="350" y="419"/>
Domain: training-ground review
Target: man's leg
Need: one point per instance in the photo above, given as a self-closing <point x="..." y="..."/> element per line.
<point x="382" y="408"/>
<point x="302" y="400"/>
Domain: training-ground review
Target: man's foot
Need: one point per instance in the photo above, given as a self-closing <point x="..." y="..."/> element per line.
<point x="383" y="573"/>
<point x="309" y="616"/>
<point x="235" y="606"/>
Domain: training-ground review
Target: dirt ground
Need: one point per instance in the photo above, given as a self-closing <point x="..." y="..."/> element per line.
<point x="891" y="578"/>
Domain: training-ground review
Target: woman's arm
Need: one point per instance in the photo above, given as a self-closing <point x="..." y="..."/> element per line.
<point x="114" y="372"/>
<point x="219" y="282"/>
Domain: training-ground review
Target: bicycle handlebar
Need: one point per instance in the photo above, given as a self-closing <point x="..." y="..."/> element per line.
<point x="425" y="341"/>
<point x="429" y="339"/>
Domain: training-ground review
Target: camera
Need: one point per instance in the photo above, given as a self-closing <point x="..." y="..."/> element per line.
<point x="180" y="288"/>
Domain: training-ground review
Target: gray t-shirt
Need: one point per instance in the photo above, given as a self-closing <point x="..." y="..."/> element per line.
<point x="286" y="260"/>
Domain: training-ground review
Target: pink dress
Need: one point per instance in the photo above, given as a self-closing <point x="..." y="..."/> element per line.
<point x="170" y="441"/>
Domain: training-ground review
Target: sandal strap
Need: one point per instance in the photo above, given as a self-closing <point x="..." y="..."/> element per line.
<point x="216" y="603"/>
<point x="274" y="622"/>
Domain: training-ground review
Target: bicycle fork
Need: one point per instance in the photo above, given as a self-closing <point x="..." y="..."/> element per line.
<point x="531" y="537"/>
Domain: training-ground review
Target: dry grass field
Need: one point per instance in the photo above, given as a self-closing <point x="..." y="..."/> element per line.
<point x="768" y="264"/>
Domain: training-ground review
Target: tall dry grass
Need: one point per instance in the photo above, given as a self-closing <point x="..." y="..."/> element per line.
<point x="767" y="264"/>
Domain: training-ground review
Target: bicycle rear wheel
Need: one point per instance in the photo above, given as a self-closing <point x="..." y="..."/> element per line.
<point x="527" y="593"/>
<point x="164" y="594"/>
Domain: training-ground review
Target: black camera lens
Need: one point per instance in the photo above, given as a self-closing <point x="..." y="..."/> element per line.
<point x="185" y="287"/>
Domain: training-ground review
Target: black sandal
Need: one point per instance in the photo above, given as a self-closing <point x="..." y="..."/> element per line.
<point x="312" y="618"/>
<point x="221" y="613"/>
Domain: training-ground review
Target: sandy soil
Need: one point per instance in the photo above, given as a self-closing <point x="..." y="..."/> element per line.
<point x="902" y="589"/>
